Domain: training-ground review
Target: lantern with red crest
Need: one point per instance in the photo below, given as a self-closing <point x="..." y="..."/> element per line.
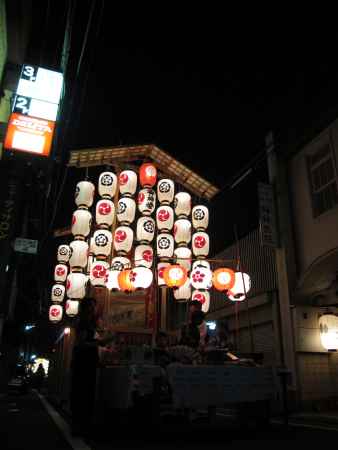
<point x="146" y="201"/>
<point x="123" y="239"/>
<point x="79" y="255"/>
<point x="165" y="191"/>
<point x="100" y="244"/>
<point x="160" y="270"/>
<point x="105" y="212"/>
<point x="165" y="218"/>
<point x="60" y="273"/>
<point x="175" y="276"/>
<point x="200" y="217"/>
<point x="84" y="194"/>
<point x="148" y="175"/>
<point x="55" y="313"/>
<point x="203" y="297"/>
<point x="182" y="204"/>
<point x="99" y="273"/>
<point x="127" y="182"/>
<point x="201" y="278"/>
<point x="126" y="209"/>
<point x="200" y="244"/>
<point x="125" y="280"/>
<point x="76" y="285"/>
<point x="143" y="256"/>
<point x="223" y="279"/>
<point x="145" y="230"/>
<point x="72" y="308"/>
<point x="107" y="185"/>
<point x="81" y="223"/>
<point x="58" y="293"/>
<point x="141" y="277"/>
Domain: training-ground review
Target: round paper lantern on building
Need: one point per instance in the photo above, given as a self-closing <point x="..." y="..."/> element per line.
<point x="63" y="253"/>
<point x="165" y="191"/>
<point x="141" y="277"/>
<point x="100" y="244"/>
<point x="123" y="239"/>
<point x="160" y="270"/>
<point x="81" y="223"/>
<point x="183" y="293"/>
<point x="99" y="273"/>
<point x="200" y="278"/>
<point x="148" y="175"/>
<point x="145" y="229"/>
<point x="165" y="218"/>
<point x="126" y="209"/>
<point x="203" y="297"/>
<point x="200" y="217"/>
<point x="72" y="308"/>
<point x="60" y="273"/>
<point x="328" y="329"/>
<point x="107" y="185"/>
<point x="120" y="263"/>
<point x="165" y="245"/>
<point x="127" y="182"/>
<point x="112" y="281"/>
<point x="175" y="276"/>
<point x="76" y="285"/>
<point x="55" y="313"/>
<point x="84" y="194"/>
<point x="125" y="281"/>
<point x="143" y="256"/>
<point x="146" y="201"/>
<point x="182" y="232"/>
<point x="182" y="204"/>
<point x="183" y="257"/>
<point x="105" y="212"/>
<point x="223" y="279"/>
<point x="201" y="263"/>
<point x="58" y="293"/>
<point x="79" y="258"/>
<point x="200" y="244"/>
<point x="240" y="288"/>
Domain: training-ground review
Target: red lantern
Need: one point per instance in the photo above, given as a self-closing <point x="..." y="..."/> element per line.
<point x="175" y="276"/>
<point x="125" y="281"/>
<point x="148" y="175"/>
<point x="223" y="279"/>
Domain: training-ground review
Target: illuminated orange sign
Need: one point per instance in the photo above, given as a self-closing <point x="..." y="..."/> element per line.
<point x="28" y="134"/>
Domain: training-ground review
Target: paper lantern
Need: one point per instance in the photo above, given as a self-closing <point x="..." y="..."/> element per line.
<point x="58" y="293"/>
<point x="99" y="273"/>
<point x="72" y="308"/>
<point x="100" y="244"/>
<point x="183" y="293"/>
<point x="165" y="218"/>
<point x="91" y="260"/>
<point x="201" y="263"/>
<point x="165" y="245"/>
<point x="145" y="230"/>
<point x="125" y="281"/>
<point x="203" y="297"/>
<point x="240" y="288"/>
<point x="55" y="313"/>
<point x="79" y="257"/>
<point x="175" y="276"/>
<point x="60" y="273"/>
<point x="160" y="270"/>
<point x="183" y="257"/>
<point x="76" y="285"/>
<point x="127" y="182"/>
<point x="223" y="279"/>
<point x="200" y="244"/>
<point x="146" y="201"/>
<point x="165" y="191"/>
<point x="328" y="329"/>
<point x="143" y="256"/>
<point x="148" y="175"/>
<point x="105" y="212"/>
<point x="200" y="278"/>
<point x="126" y="209"/>
<point x="120" y="263"/>
<point x="84" y="194"/>
<point x="123" y="239"/>
<point x="107" y="185"/>
<point x="141" y="277"/>
<point x="200" y="217"/>
<point x="182" y="204"/>
<point x="112" y="281"/>
<point x="182" y="231"/>
<point x="63" y="253"/>
<point x="81" y="223"/>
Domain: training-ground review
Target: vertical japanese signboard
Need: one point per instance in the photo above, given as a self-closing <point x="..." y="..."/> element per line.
<point x="267" y="215"/>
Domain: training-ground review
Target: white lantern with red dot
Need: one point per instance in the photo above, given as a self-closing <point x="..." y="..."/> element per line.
<point x="107" y="184"/>
<point x="201" y="278"/>
<point x="123" y="239"/>
<point x="127" y="182"/>
<point x="183" y="257"/>
<point x="81" y="223"/>
<point x="145" y="230"/>
<point x="241" y="287"/>
<point x="126" y="209"/>
<point x="182" y="204"/>
<point x="146" y="201"/>
<point x="72" y="308"/>
<point x="200" y="244"/>
<point x="79" y="258"/>
<point x="160" y="270"/>
<point x="200" y="217"/>
<point x="60" y="272"/>
<point x="105" y="212"/>
<point x="141" y="277"/>
<point x="55" y="313"/>
<point x="165" y="245"/>
<point x="58" y="293"/>
<point x="99" y="273"/>
<point x="63" y="253"/>
<point x="182" y="231"/>
<point x="165" y="218"/>
<point x="165" y="191"/>
<point x="76" y="285"/>
<point x="84" y="194"/>
<point x="201" y="263"/>
<point x="203" y="297"/>
<point x="100" y="244"/>
<point x="183" y="293"/>
<point x="148" y="175"/>
<point x="143" y="256"/>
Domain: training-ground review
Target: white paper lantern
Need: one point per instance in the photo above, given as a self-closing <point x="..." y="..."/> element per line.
<point x="183" y="292"/>
<point x="160" y="269"/>
<point x="123" y="239"/>
<point x="128" y="182"/>
<point x="107" y="184"/>
<point x="100" y="244"/>
<point x="76" y="285"/>
<point x="141" y="277"/>
<point x="63" y="253"/>
<point x="84" y="194"/>
<point x="81" y="223"/>
<point x="143" y="256"/>
<point x="241" y="287"/>
<point x="200" y="217"/>
<point x="146" y="201"/>
<point x="112" y="282"/>
<point x="182" y="231"/>
<point x="120" y="263"/>
<point x="328" y="329"/>
<point x="72" y="308"/>
<point x="99" y="273"/>
<point x="55" y="313"/>
<point x="58" y="293"/>
<point x="203" y="297"/>
<point x="91" y="260"/>
<point x="182" y="204"/>
<point x="60" y="272"/>
<point x="126" y="209"/>
<point x="165" y="245"/>
<point x="145" y="230"/>
<point x="79" y="252"/>
<point x="165" y="191"/>
<point x="200" y="244"/>
<point x="201" y="278"/>
<point x="105" y="212"/>
<point x="201" y="263"/>
<point x="165" y="218"/>
<point x="183" y="257"/>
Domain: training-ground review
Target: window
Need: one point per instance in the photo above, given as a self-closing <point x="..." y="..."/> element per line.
<point x="323" y="180"/>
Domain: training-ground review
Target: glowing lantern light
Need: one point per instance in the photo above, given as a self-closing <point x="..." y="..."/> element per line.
<point x="55" y="313"/>
<point x="141" y="277"/>
<point x="182" y="231"/>
<point x="148" y="175"/>
<point x="81" y="223"/>
<point x="123" y="239"/>
<point x="200" y="278"/>
<point x="63" y="253"/>
<point x="223" y="279"/>
<point x="183" y="257"/>
<point x="165" y="245"/>
<point x="105" y="212"/>
<point x="107" y="184"/>
<point x="165" y="218"/>
<point x="240" y="288"/>
<point x="145" y="229"/>
<point x="76" y="285"/>
<point x="72" y="308"/>
<point x="60" y="272"/>
<point x="125" y="281"/>
<point x="84" y="194"/>
<point x="328" y="328"/>
<point x="146" y="201"/>
<point x="183" y="292"/>
<point x="99" y="273"/>
<point x="126" y="209"/>
<point x="203" y="297"/>
<point x="160" y="270"/>
<point x="165" y="191"/>
<point x="127" y="182"/>
<point x="79" y="258"/>
<point x="175" y="276"/>
<point x="182" y="204"/>
<point x="100" y="244"/>
<point x="144" y="256"/>
<point x="200" y="244"/>
<point x="200" y="217"/>
<point x="58" y="293"/>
